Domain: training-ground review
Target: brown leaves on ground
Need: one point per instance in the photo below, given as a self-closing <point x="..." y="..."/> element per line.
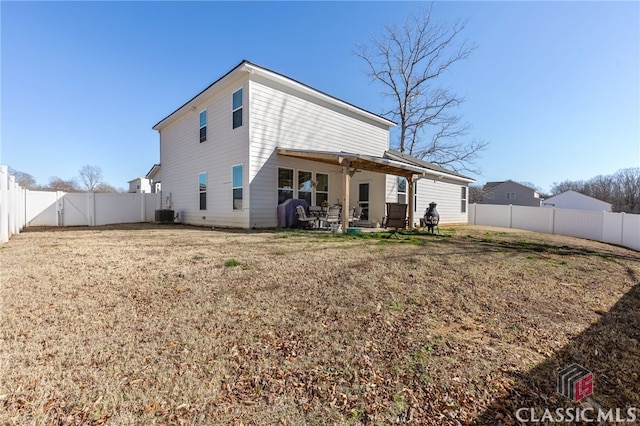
<point x="181" y="325"/>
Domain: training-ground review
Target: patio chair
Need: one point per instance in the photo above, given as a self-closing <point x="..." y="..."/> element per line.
<point x="396" y="217"/>
<point x="333" y="216"/>
<point x="354" y="215"/>
<point x="309" y="222"/>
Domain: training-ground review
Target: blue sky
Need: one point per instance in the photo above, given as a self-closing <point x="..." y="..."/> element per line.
<point x="554" y="87"/>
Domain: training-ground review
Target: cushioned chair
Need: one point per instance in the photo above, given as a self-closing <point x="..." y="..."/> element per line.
<point x="333" y="216"/>
<point x="309" y="222"/>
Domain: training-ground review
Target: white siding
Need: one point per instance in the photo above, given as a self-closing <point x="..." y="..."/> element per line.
<point x="281" y="118"/>
<point x="444" y="192"/>
<point x="447" y="195"/>
<point x="183" y="157"/>
<point x="377" y="196"/>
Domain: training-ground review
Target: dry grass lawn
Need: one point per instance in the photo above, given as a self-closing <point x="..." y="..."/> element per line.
<point x="138" y="325"/>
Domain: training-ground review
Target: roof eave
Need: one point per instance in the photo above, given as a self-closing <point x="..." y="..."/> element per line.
<point x="158" y="126"/>
<point x="287" y="81"/>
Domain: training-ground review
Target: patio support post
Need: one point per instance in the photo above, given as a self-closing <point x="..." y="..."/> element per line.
<point x="346" y="180"/>
<point x="410" y="207"/>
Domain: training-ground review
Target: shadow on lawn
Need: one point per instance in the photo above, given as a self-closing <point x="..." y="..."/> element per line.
<point x="609" y="349"/>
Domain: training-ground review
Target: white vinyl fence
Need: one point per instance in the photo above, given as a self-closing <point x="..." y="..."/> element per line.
<point x="12" y="205"/>
<point x="89" y="209"/>
<point x="614" y="228"/>
<point x="20" y="207"/>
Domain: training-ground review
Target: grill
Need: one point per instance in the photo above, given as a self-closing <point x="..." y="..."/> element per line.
<point x="431" y="217"/>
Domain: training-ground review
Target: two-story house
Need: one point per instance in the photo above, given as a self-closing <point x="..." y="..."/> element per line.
<point x="255" y="138"/>
<point x="510" y="192"/>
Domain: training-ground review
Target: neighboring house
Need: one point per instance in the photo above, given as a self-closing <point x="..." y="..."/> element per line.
<point x="255" y="138"/>
<point x="510" y="192"/>
<point x="154" y="178"/>
<point x="140" y="185"/>
<point x="575" y="200"/>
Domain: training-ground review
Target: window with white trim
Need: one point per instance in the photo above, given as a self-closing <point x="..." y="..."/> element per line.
<point x="463" y="199"/>
<point x="305" y="185"/>
<point x="402" y="190"/>
<point x="203" y="125"/>
<point x="322" y="188"/>
<point x="285" y="184"/>
<point x="237" y="108"/>
<point x="237" y="186"/>
<point x="202" y="185"/>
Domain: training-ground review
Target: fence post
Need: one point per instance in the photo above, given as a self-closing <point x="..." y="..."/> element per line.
<point x="510" y="215"/>
<point x="142" y="207"/>
<point x="92" y="209"/>
<point x="4" y="204"/>
<point x="12" y="206"/>
<point x="23" y="208"/>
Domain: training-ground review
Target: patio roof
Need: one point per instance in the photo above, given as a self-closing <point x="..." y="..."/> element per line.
<point x="356" y="161"/>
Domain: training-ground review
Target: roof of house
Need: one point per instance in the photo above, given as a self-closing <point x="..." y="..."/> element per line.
<point x="138" y="178"/>
<point x="253" y="68"/>
<point x="491" y="185"/>
<point x="153" y="171"/>
<point x="397" y="155"/>
<point x="371" y="163"/>
<point x="550" y="200"/>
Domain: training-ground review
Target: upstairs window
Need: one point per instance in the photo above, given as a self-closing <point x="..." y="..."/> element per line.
<point x="203" y="125"/>
<point x="237" y="187"/>
<point x="237" y="108"/>
<point x="510" y="195"/>
<point x="202" y="184"/>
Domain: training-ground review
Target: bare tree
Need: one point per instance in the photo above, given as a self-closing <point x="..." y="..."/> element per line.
<point x="23" y="179"/>
<point x="408" y="61"/>
<point x="105" y="187"/>
<point x="476" y="193"/>
<point x="90" y="176"/>
<point x="567" y="185"/>
<point x="628" y="188"/>
<point x="59" y="184"/>
<point x="621" y="189"/>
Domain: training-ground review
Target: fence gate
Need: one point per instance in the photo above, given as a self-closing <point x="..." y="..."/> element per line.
<point x="73" y="210"/>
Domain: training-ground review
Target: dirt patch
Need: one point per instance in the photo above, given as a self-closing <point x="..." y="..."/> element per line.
<point x="181" y="325"/>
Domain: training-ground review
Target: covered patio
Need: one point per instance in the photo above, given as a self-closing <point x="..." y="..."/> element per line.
<point x="351" y="163"/>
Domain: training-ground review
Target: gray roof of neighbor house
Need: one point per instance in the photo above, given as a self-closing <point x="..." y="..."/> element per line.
<point x="283" y="78"/>
<point x="577" y="194"/>
<point x="397" y="155"/>
<point x="490" y="185"/>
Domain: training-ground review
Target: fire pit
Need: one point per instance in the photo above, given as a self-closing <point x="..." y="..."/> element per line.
<point x="431" y="217"/>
